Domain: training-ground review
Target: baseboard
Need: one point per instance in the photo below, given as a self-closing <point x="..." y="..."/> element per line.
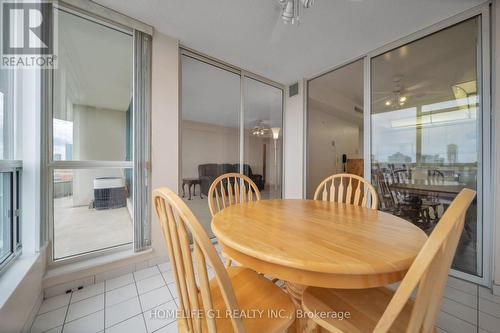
<point x="33" y="313"/>
<point x="72" y="279"/>
<point x="496" y="289"/>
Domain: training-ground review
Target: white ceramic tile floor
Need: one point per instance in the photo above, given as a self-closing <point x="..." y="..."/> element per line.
<point x="121" y="294"/>
<point x="121" y="304"/>
<point x="128" y="303"/>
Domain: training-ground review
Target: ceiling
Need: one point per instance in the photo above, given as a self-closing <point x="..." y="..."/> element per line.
<point x="95" y="64"/>
<point x="346" y="81"/>
<point x="424" y="72"/>
<point x="249" y="34"/>
<point x="212" y="95"/>
<point x="427" y="68"/>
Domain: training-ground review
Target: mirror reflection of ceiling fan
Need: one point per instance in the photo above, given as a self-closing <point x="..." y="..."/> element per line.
<point x="400" y="94"/>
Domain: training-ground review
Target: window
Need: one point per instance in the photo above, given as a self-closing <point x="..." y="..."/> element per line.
<point x="95" y="151"/>
<point x="10" y="174"/>
<point x="427" y="132"/>
<point x="334" y="124"/>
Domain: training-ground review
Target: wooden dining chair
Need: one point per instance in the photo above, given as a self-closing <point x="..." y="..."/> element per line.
<point x="229" y="189"/>
<point x="382" y="310"/>
<point x="227" y="302"/>
<point x="347" y="188"/>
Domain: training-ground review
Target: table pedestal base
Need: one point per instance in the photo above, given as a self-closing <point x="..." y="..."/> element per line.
<point x="295" y="291"/>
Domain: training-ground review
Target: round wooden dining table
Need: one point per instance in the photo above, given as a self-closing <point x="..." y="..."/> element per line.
<point x="317" y="243"/>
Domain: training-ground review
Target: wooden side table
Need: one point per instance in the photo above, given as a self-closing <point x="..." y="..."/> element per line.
<point x="191" y="182"/>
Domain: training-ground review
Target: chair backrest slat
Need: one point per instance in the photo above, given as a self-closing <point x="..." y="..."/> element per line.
<point x="339" y="192"/>
<point x="179" y="225"/>
<point x="340" y="195"/>
<point x="349" y="189"/>
<point x="206" y="296"/>
<point x="236" y="187"/>
<point x="192" y="288"/>
<point x="176" y="258"/>
<point x="429" y="271"/>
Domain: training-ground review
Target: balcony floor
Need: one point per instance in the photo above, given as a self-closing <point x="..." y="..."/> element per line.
<point x="80" y="229"/>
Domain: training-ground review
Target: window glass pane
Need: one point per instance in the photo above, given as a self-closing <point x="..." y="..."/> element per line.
<point x="5" y="220"/>
<point x="92" y="92"/>
<point x="210" y="131"/>
<point x="263" y="136"/>
<point x="426" y="131"/>
<point x="335" y="125"/>
<point x="92" y="210"/>
<point x="6" y="113"/>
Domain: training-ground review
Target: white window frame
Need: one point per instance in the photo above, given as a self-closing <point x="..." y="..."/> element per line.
<point x="12" y="166"/>
<point x="141" y="238"/>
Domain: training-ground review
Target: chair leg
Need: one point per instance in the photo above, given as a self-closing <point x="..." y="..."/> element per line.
<point x="311" y="326"/>
<point x="228" y="262"/>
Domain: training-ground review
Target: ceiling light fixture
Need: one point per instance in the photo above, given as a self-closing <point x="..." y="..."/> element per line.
<point x="290" y="9"/>
<point x="397" y="97"/>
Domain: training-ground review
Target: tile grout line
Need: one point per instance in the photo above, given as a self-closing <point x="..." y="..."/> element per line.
<point x="166" y="285"/>
<point x="104" y="314"/>
<point x="461" y="303"/>
<point x="66" y="314"/>
<point x="168" y="289"/>
<point x="455" y="316"/>
<point x="140" y="303"/>
<point x="460" y="290"/>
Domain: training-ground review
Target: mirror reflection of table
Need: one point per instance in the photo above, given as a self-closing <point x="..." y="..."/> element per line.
<point x="448" y="188"/>
<point x="316" y="243"/>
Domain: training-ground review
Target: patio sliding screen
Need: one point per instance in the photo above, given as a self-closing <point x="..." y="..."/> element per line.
<point x="426" y="131"/>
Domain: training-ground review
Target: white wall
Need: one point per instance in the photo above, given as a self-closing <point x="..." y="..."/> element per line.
<point x="98" y="134"/>
<point x="21" y="306"/>
<point x="294" y="145"/>
<point x="206" y="143"/>
<point x="329" y="138"/>
<point x="165" y="124"/>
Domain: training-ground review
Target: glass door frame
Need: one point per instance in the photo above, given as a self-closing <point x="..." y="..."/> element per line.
<point x="131" y="28"/>
<point x="243" y="74"/>
<point x="486" y="172"/>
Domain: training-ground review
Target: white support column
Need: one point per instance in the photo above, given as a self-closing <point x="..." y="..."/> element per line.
<point x="294" y="144"/>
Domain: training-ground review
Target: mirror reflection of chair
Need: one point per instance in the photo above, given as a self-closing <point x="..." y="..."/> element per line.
<point x="347" y="188"/>
<point x="382" y="310"/>
<point x="212" y="305"/>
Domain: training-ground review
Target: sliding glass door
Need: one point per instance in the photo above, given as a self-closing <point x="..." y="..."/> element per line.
<point x="427" y="132"/>
<point x="426" y="129"/>
<point x="230" y="122"/>
<point x="91" y="146"/>
<point x="210" y="129"/>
